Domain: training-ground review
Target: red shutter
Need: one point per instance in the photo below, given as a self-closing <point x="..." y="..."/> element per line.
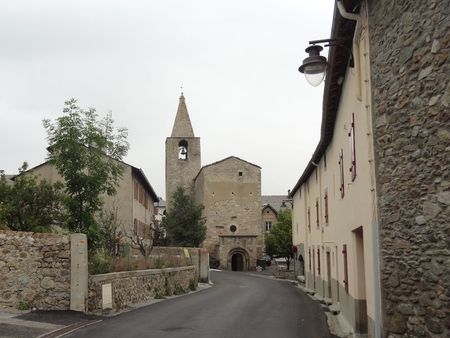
<point x="309" y="220"/>
<point x="325" y="198"/>
<point x="344" y="253"/>
<point x="318" y="261"/>
<point x="341" y="171"/>
<point x="309" y="256"/>
<point x="353" y="148"/>
<point x="317" y="214"/>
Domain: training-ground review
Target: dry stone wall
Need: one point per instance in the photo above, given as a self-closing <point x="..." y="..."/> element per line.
<point x="34" y="270"/>
<point x="409" y="52"/>
<point x="133" y="287"/>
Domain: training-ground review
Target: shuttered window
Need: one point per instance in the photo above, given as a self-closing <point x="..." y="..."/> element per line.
<point x="341" y="173"/>
<point x="344" y="254"/>
<point x="317" y="214"/>
<point x="351" y="135"/>
<point x="318" y="261"/>
<point x="309" y="220"/>
<point x="309" y="258"/>
<point x="325" y="205"/>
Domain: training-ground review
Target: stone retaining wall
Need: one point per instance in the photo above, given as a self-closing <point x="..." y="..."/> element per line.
<point x="131" y="287"/>
<point x="34" y="270"/>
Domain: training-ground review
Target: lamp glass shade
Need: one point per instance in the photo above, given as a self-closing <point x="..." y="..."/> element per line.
<point x="315" y="79"/>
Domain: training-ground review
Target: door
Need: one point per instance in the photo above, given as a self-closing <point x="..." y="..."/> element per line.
<point x="237" y="262"/>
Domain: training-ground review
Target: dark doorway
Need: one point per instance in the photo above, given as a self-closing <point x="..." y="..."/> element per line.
<point x="301" y="266"/>
<point x="237" y="262"/>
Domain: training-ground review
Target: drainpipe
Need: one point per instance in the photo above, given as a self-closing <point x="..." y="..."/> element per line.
<point x="345" y="14"/>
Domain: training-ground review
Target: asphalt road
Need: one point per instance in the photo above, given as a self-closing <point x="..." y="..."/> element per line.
<point x="238" y="305"/>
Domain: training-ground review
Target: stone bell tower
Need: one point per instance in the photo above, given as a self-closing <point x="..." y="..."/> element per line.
<point x="183" y="156"/>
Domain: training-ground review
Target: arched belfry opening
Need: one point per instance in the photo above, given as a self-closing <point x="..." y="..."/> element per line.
<point x="183" y="150"/>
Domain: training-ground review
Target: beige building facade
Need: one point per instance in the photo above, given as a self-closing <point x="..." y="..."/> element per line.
<point x="367" y="202"/>
<point x="133" y="202"/>
<point x="229" y="190"/>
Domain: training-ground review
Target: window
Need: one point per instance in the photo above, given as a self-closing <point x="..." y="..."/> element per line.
<point x="341" y="173"/>
<point x="233" y="228"/>
<point x="318" y="261"/>
<point x="309" y="220"/>
<point x="325" y="205"/>
<point x="309" y="258"/>
<point x="268" y="226"/>
<point x="183" y="150"/>
<point x="344" y="253"/>
<point x="317" y="214"/>
<point x="240" y="173"/>
<point x="136" y="190"/>
<point x="351" y="134"/>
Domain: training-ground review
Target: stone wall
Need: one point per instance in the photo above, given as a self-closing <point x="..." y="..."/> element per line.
<point x="35" y="270"/>
<point x="409" y="52"/>
<point x="132" y="287"/>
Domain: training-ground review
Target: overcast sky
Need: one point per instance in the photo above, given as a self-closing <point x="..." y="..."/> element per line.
<point x="236" y="60"/>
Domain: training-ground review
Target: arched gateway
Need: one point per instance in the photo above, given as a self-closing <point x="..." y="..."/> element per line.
<point x="238" y="260"/>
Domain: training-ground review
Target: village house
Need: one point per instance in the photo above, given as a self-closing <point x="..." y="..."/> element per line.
<point x="133" y="202"/>
<point x="371" y="209"/>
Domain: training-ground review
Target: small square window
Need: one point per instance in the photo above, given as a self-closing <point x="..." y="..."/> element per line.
<point x="240" y="173"/>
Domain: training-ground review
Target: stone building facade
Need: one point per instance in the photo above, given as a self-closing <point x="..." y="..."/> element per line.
<point x="371" y="209"/>
<point x="410" y="69"/>
<point x="230" y="191"/>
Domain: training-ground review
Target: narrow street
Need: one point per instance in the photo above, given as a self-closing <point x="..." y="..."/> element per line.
<point x="238" y="305"/>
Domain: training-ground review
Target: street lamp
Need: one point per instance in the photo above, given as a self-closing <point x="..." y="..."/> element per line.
<point x="315" y="65"/>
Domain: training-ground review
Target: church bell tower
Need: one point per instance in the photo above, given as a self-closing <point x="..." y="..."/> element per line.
<point x="183" y="156"/>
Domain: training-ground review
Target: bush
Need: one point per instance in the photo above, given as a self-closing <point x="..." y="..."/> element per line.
<point x="214" y="263"/>
<point x="100" y="262"/>
<point x="179" y="290"/>
<point x="22" y="306"/>
<point x="192" y="285"/>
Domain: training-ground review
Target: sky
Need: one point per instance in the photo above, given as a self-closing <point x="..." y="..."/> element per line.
<point x="236" y="62"/>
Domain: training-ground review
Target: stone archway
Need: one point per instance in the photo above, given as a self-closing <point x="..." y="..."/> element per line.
<point x="238" y="260"/>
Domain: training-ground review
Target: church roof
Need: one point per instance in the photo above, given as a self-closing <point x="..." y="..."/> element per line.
<point x="182" y="126"/>
<point x="225" y="159"/>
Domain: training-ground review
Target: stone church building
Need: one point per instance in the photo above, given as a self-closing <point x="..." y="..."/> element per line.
<point x="230" y="191"/>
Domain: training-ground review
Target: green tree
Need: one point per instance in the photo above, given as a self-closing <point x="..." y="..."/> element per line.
<point x="87" y="151"/>
<point x="279" y="240"/>
<point x="184" y="223"/>
<point x="29" y="204"/>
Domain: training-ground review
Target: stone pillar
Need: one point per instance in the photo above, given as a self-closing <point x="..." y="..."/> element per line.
<point x="78" y="272"/>
<point x="204" y="265"/>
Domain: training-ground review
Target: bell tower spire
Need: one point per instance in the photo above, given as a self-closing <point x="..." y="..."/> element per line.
<point x="182" y="126"/>
<point x="183" y="156"/>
